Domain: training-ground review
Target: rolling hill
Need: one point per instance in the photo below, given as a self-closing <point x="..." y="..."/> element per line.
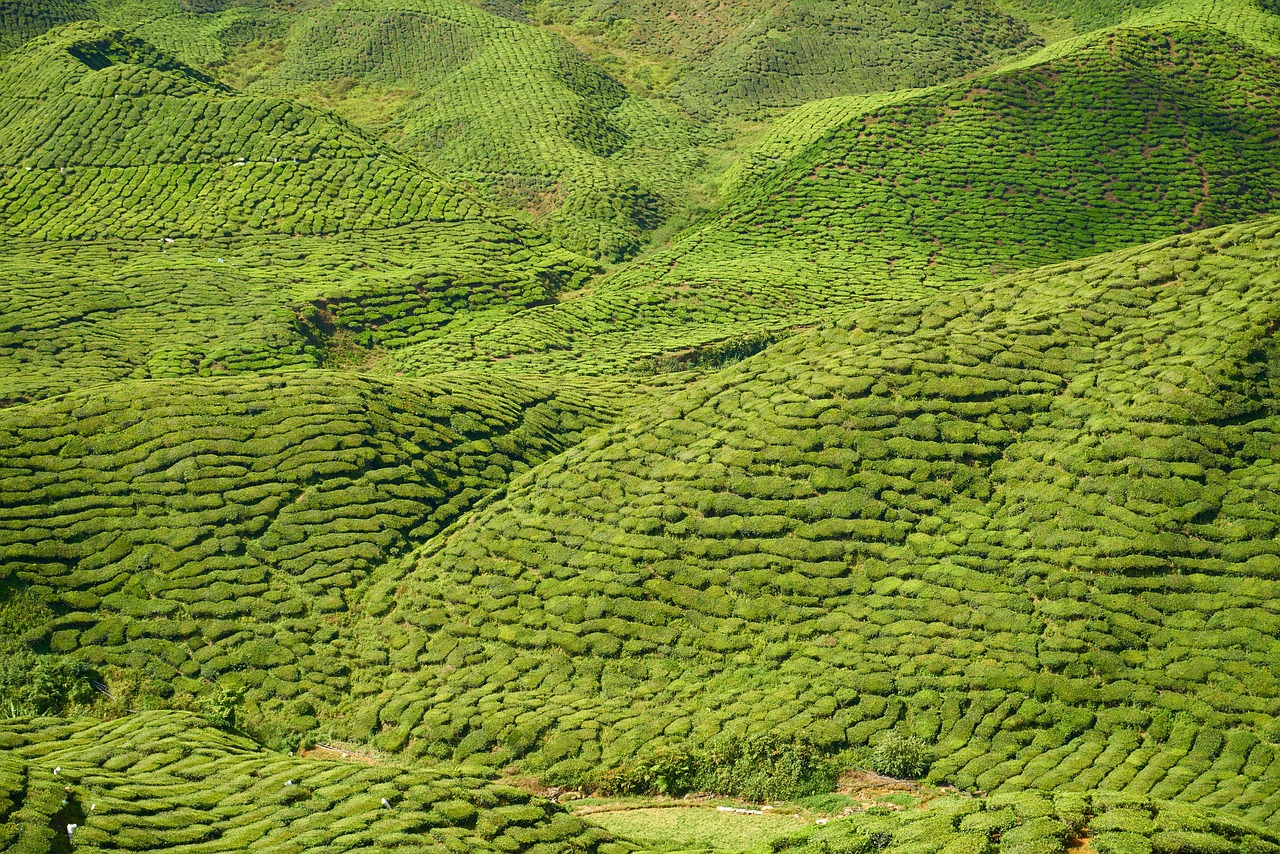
<point x="1028" y="520"/>
<point x="1107" y="142"/>
<point x="515" y="112"/>
<point x="157" y="224"/>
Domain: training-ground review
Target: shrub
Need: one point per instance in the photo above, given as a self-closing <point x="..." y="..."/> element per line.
<point x="32" y="684"/>
<point x="902" y="756"/>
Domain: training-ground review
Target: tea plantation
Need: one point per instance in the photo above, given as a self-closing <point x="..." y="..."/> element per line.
<point x="167" y="781"/>
<point x="514" y="111"/>
<point x="1028" y="521"/>
<point x="417" y="415"/>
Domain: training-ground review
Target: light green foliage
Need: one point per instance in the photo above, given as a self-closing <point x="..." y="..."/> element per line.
<point x="190" y="530"/>
<point x="512" y="110"/>
<point x="251" y="261"/>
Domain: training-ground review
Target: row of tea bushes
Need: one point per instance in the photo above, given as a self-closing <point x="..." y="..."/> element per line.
<point x="1039" y="823"/>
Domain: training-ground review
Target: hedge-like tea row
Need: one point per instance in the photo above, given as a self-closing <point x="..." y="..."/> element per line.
<point x="1038" y="823"/>
<point x="167" y="782"/>
<point x="23" y="20"/>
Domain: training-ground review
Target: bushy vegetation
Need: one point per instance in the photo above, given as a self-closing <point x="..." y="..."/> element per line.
<point x="759" y="768"/>
<point x="900" y="755"/>
<point x="740" y="59"/>
<point x="201" y="529"/>
<point x="1023" y="521"/>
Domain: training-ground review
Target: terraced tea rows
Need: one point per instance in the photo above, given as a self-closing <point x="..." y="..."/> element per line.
<point x="165" y="782"/>
<point x="101" y="135"/>
<point x="245" y="267"/>
<point x="1080" y="155"/>
<point x="23" y="20"/>
<point x="1034" y="823"/>
<point x="1030" y="521"/>
<point x="76" y="314"/>
<point x="188" y="529"/>
<point x="895" y="196"/>
<point x="513" y="110"/>
<point x="743" y="58"/>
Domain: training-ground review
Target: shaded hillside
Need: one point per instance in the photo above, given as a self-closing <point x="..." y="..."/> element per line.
<point x="743" y="57"/>
<point x="1032" y="521"/>
<point x="160" y="781"/>
<point x="1139" y="134"/>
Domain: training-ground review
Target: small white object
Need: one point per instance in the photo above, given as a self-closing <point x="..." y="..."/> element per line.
<point x="386" y="803"/>
<point x="71" y="828"/>
<point x="821" y="821"/>
<point x="92" y="807"/>
<point x="219" y="260"/>
<point x="57" y="771"/>
<point x="288" y="782"/>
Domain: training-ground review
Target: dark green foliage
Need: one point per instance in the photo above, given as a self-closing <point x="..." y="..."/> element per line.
<point x="899" y="755"/>
<point x="23" y="20"/>
<point x="33" y="684"/>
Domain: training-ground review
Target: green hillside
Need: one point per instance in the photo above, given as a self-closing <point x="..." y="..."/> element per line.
<point x="742" y="58"/>
<point x="1028" y="521"/>
<point x="894" y="196"/>
<point x="23" y="20"/>
<point x="189" y="529"/>
<point x="157" y="224"/>
<point x="512" y="110"/>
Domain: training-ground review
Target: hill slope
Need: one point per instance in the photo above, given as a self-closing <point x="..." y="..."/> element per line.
<point x="191" y="528"/>
<point x="1130" y="135"/>
<point x="156" y="224"/>
<point x="514" y="110"/>
<point x="1032" y="520"/>
<point x="166" y="781"/>
<point x="741" y="58"/>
